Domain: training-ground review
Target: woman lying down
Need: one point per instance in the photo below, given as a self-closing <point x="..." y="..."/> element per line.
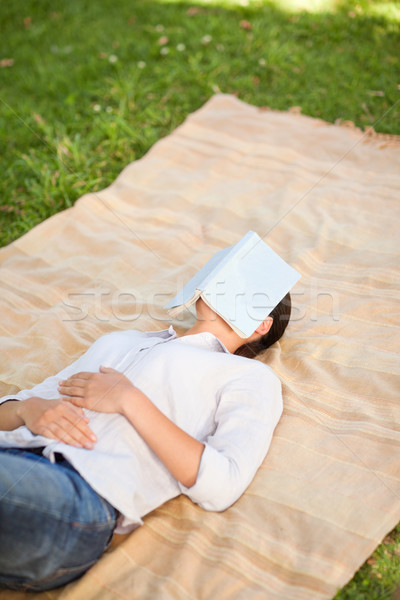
<point x="138" y="419"/>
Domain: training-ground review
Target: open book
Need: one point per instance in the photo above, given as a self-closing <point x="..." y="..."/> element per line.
<point x="242" y="284"/>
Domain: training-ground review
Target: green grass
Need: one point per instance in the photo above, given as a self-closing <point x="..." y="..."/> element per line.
<point x="379" y="577"/>
<point x="85" y="89"/>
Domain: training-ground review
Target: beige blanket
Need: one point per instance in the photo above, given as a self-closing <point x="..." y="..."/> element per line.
<point x="326" y="199"/>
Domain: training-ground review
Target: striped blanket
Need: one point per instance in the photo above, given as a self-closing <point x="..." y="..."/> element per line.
<point x="326" y="199"/>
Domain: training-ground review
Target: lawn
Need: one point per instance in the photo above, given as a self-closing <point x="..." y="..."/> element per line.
<point x="87" y="87"/>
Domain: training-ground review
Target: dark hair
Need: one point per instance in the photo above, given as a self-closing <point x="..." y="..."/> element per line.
<point x="280" y="315"/>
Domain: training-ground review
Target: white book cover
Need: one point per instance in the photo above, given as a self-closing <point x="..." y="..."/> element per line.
<point x="242" y="283"/>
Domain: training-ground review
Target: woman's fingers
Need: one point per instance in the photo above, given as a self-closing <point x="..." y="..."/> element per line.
<point x="63" y="431"/>
<point x="101" y="392"/>
<point x="69" y="389"/>
<point x="78" y="380"/>
<point x="81" y="375"/>
<point x="75" y="402"/>
<point x="77" y="386"/>
<point x="70" y="426"/>
<point x="108" y="370"/>
<point x="75" y="415"/>
<point x="57" y="420"/>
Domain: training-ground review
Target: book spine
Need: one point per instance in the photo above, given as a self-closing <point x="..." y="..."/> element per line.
<point x="250" y="239"/>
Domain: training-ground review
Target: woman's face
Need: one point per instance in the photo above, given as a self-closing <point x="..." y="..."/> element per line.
<point x="204" y="312"/>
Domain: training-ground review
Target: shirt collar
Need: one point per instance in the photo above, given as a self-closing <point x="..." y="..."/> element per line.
<point x="205" y="339"/>
<point x="166" y="334"/>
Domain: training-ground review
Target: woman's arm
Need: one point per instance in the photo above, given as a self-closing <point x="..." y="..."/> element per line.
<point x="180" y="452"/>
<point x="43" y="412"/>
<point x="9" y="418"/>
<point x="51" y="418"/>
<point x="110" y="391"/>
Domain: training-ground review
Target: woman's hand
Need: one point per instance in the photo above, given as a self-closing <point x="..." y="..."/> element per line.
<point x="102" y="392"/>
<point x="111" y="392"/>
<point x="57" y="420"/>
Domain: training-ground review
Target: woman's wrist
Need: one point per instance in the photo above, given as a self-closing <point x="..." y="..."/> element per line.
<point x="9" y="415"/>
<point x="129" y="400"/>
<point x="22" y="408"/>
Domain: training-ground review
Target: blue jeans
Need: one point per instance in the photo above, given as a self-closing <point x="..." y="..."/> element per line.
<point x="53" y="525"/>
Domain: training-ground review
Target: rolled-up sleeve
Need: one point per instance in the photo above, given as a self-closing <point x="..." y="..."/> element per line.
<point x="248" y="411"/>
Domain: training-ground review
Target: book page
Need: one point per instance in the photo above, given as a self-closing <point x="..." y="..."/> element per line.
<point x="242" y="283"/>
<point x="247" y="289"/>
<point x="199" y="282"/>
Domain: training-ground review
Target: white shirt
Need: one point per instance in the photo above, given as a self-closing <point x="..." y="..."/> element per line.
<point x="230" y="403"/>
